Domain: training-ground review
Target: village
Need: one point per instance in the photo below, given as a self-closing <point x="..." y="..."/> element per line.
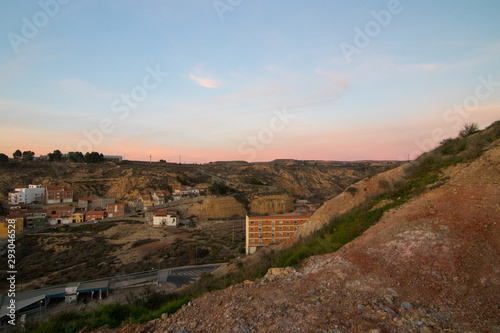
<point x="36" y="206"/>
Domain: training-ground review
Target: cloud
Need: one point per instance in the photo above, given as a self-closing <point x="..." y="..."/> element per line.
<point x="204" y="80"/>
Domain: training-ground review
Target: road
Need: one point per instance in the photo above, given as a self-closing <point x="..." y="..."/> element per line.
<point x="180" y="276"/>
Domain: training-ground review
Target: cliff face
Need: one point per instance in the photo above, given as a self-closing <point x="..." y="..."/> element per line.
<point x="272" y="204"/>
<point x="217" y="208"/>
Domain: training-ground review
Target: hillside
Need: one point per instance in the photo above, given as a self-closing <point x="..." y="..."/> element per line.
<point x="430" y="263"/>
<point x="314" y="180"/>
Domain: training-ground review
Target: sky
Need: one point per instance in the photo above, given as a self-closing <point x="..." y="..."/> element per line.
<point x="255" y="80"/>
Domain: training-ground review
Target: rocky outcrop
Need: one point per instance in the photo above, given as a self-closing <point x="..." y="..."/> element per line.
<point x="272" y="204"/>
<point x="217" y="208"/>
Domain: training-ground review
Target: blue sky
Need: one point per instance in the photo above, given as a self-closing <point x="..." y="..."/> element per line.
<point x="245" y="80"/>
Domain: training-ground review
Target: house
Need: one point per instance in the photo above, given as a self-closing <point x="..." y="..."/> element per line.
<point x="101" y="203"/>
<point x="96" y="214"/>
<point x="264" y="230"/>
<point x="58" y="194"/>
<point x="146" y="201"/>
<point x="158" y="197"/>
<point x="186" y="191"/>
<point x="5" y="226"/>
<point x="115" y="209"/>
<point x="36" y="218"/>
<point x="162" y="218"/>
<point x="60" y="215"/>
<point x="78" y="215"/>
<point x="34" y="193"/>
<point x="202" y="188"/>
<point x="85" y="202"/>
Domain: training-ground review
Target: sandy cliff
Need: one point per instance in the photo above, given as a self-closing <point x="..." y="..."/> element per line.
<point x="272" y="204"/>
<point x="217" y="208"/>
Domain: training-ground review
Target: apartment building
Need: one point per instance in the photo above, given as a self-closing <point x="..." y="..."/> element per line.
<point x="34" y="193"/>
<point x="265" y="230"/>
<point x="58" y="194"/>
<point x="60" y="215"/>
<point x="115" y="209"/>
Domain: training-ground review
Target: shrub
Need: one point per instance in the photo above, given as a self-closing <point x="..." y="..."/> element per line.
<point x="468" y="129"/>
<point x="352" y="190"/>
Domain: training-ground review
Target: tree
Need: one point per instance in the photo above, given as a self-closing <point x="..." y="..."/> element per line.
<point x="219" y="188"/>
<point x="93" y="157"/>
<point x="55" y="156"/>
<point x="17" y="154"/>
<point x="75" y="156"/>
<point x="28" y="155"/>
<point x="4" y="158"/>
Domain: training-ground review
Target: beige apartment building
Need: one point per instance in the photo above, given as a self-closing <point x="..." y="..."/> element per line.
<point x="265" y="230"/>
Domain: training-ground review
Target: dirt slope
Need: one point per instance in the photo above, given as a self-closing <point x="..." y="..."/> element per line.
<point x="431" y="265"/>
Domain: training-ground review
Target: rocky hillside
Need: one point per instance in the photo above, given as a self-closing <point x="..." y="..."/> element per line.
<point x="431" y="264"/>
<point x="314" y="180"/>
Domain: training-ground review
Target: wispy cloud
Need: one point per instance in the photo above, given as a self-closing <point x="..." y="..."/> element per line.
<point x="203" y="79"/>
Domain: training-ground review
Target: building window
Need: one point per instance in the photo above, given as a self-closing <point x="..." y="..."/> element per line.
<point x="252" y="222"/>
<point x="295" y="228"/>
<point x="251" y="240"/>
<point x="260" y="241"/>
<point x="288" y="234"/>
<point x="260" y="223"/>
<point x="273" y="223"/>
<point x="295" y="222"/>
<point x="272" y="235"/>
<point x="281" y="222"/>
<point x="287" y="228"/>
<point x="260" y="235"/>
<point x="260" y="229"/>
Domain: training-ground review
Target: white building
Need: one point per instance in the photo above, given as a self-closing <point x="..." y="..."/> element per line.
<point x="162" y="218"/>
<point x="27" y="195"/>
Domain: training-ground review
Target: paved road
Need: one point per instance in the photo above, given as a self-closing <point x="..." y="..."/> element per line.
<point x="185" y="275"/>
